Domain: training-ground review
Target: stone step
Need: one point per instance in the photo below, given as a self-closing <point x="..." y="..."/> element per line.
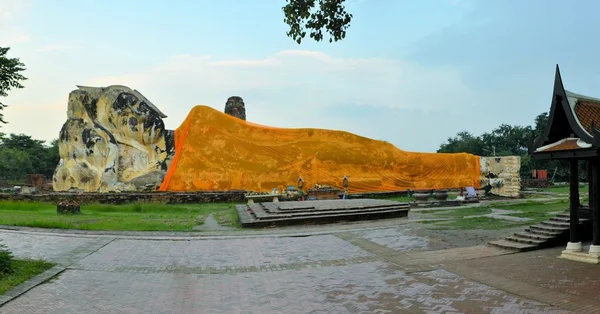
<point x="568" y="219"/>
<point x="513" y="246"/>
<point x="562" y="219"/>
<point x="534" y="236"/>
<point x="525" y="240"/>
<point x="324" y="218"/>
<point x="269" y="215"/>
<point x="549" y="228"/>
<point x="303" y="210"/>
<point x="556" y="224"/>
<point x="543" y="232"/>
<point x="305" y="206"/>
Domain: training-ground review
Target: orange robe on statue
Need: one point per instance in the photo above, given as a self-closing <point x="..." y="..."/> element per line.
<point x="215" y="151"/>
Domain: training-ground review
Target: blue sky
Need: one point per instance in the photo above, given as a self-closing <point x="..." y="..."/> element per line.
<point x="409" y="72"/>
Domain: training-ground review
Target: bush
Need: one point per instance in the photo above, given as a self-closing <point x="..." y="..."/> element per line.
<point x="138" y="208"/>
<point x="6" y="259"/>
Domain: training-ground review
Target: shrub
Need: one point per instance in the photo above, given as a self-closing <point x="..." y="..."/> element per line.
<point x="6" y="259"/>
<point x="137" y="207"/>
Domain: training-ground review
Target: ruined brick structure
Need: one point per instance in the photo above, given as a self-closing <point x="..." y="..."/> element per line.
<point x="235" y="107"/>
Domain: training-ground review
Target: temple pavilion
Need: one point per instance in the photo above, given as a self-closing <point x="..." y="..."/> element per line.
<point x="572" y="134"/>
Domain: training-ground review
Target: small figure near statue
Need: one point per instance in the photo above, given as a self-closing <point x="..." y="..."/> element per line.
<point x="300" y="186"/>
<point x="345" y="185"/>
<point x="467" y="193"/>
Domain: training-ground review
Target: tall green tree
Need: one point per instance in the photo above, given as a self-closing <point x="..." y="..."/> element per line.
<point x="463" y="142"/>
<point x="507" y="140"/>
<point x="10" y="76"/>
<point x="316" y="17"/>
<point x="540" y="123"/>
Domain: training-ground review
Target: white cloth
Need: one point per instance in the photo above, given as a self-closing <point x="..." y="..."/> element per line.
<point x="471" y="191"/>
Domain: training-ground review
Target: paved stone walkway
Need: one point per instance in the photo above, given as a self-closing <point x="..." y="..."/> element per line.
<point x="367" y="271"/>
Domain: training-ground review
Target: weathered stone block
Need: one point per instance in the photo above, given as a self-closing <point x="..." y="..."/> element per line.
<point x="68" y="207"/>
<point x="502" y="173"/>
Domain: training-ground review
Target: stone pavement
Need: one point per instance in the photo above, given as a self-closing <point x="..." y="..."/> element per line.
<point x="391" y="270"/>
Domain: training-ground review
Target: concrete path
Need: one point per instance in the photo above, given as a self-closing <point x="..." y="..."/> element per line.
<point x="385" y="270"/>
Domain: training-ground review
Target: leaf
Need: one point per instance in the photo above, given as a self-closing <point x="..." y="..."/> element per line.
<point x="306" y="15"/>
<point x="10" y="76"/>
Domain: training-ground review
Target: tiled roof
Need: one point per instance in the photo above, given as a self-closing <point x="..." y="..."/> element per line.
<point x="588" y="111"/>
<point x="565" y="144"/>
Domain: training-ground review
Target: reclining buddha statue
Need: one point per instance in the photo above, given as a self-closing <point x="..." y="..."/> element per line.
<point x="115" y="140"/>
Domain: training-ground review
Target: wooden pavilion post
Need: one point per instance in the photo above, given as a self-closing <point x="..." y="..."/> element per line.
<point x="574" y="244"/>
<point x="590" y="185"/>
<point x="595" y="207"/>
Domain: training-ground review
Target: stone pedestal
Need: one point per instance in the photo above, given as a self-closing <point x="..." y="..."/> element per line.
<point x="324" y="194"/>
<point x="572" y="253"/>
<point x="574" y="247"/>
<point x="595" y="249"/>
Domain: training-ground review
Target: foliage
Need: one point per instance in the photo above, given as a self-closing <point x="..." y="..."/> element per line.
<point x="6" y="260"/>
<point x="509" y="140"/>
<point x="127" y="217"/>
<point x="505" y="140"/>
<point x="10" y="76"/>
<point x="305" y="15"/>
<point x="463" y="142"/>
<point x="23" y="271"/>
<point x="21" y="155"/>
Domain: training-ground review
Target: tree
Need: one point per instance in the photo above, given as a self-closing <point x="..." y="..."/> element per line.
<point x="10" y="76"/>
<point x="507" y="140"/>
<point x="304" y="15"/>
<point x="540" y="123"/>
<point x="463" y="142"/>
<point x="21" y="155"/>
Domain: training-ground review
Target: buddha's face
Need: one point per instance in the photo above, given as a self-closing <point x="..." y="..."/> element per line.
<point x="135" y="119"/>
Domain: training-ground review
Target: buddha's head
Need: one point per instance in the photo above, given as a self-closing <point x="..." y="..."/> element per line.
<point x="127" y="113"/>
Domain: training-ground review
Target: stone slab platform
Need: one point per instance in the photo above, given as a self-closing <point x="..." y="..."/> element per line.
<point x="259" y="215"/>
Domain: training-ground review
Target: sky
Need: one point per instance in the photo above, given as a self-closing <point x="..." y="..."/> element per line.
<point x="411" y="73"/>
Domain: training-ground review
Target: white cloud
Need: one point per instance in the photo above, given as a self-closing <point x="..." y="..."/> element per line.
<point x="293" y="78"/>
<point x="10" y="31"/>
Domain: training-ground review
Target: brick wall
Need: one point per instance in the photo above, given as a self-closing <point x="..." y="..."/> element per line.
<point x="130" y="197"/>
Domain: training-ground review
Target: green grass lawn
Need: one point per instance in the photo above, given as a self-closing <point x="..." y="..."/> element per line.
<point x="565" y="189"/>
<point x="536" y="211"/>
<point x="23" y="271"/>
<point x="460" y="212"/>
<point x="485" y="223"/>
<point x="127" y="217"/>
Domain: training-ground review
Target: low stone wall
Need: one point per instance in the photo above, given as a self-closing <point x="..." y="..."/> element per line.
<point x="125" y="198"/>
<point x="502" y="173"/>
<point x="535" y="183"/>
<point x="377" y="195"/>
